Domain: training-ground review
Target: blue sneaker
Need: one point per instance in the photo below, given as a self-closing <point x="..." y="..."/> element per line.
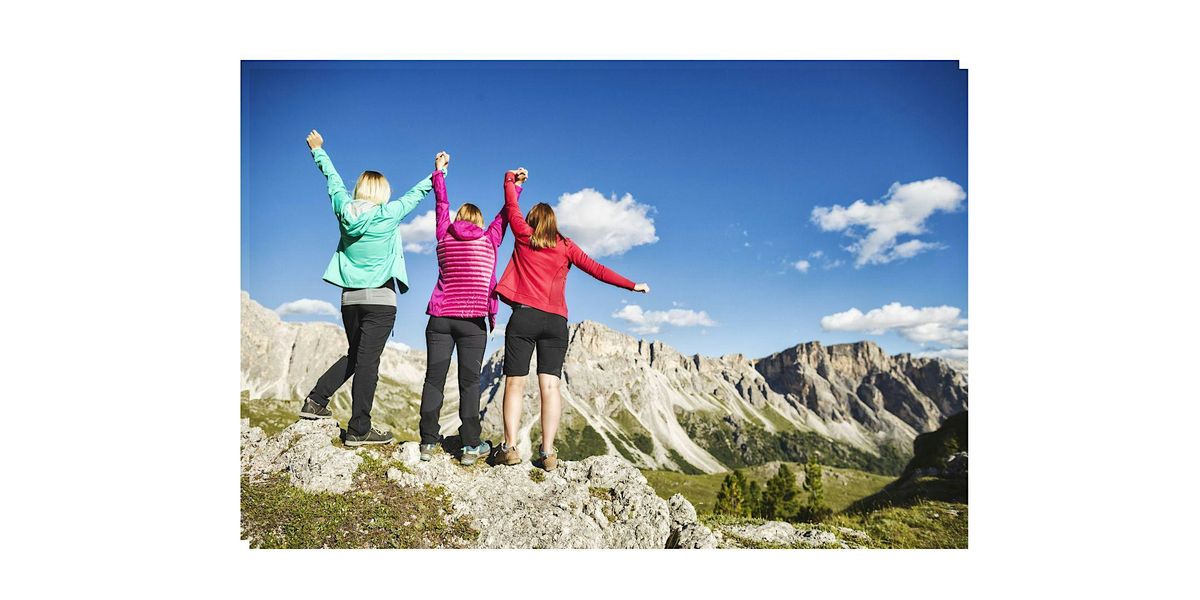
<point x="427" y="451"/>
<point x="472" y="454"/>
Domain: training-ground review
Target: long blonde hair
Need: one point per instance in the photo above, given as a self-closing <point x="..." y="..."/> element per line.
<point x="469" y="212"/>
<point x="545" y="226"/>
<point x="372" y="187"/>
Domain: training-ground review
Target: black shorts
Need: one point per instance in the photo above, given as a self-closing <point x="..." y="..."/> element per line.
<point x="529" y="328"/>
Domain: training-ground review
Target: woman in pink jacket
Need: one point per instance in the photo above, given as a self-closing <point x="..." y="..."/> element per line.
<point x="461" y="310"/>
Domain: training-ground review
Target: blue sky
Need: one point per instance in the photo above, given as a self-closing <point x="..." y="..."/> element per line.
<point x="744" y="169"/>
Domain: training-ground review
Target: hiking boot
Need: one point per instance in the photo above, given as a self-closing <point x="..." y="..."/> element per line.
<point x="470" y="454"/>
<point x="427" y="451"/>
<point x="312" y="410"/>
<point x="508" y="455"/>
<point x="548" y="461"/>
<point x="374" y="436"/>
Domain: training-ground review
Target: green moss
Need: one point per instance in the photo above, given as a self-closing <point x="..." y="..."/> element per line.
<point x="602" y="493"/>
<point x="537" y="475"/>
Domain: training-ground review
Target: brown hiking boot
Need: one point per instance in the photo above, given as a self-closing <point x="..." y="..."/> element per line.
<point x="547" y="461"/>
<point x="507" y="455"/>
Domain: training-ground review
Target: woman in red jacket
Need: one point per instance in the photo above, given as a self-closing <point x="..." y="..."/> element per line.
<point x="533" y="285"/>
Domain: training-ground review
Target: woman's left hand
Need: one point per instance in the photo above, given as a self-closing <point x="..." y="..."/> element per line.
<point x="642" y="287"/>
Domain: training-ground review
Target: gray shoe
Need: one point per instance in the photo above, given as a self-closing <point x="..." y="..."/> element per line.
<point x="427" y="451"/>
<point x="374" y="436"/>
<point x="312" y="410"/>
<point x="472" y="454"/>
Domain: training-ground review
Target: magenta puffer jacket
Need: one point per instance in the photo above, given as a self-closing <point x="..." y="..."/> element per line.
<point x="466" y="256"/>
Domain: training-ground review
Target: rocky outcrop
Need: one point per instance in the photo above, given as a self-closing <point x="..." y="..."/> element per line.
<point x="777" y="534"/>
<point x="304" y="452"/>
<point x="686" y="530"/>
<point x="598" y="502"/>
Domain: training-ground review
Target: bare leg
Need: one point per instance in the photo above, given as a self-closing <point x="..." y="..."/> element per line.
<point x="551" y="409"/>
<point x="514" y="387"/>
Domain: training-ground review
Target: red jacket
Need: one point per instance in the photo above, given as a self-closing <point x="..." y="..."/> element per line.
<point x="538" y="277"/>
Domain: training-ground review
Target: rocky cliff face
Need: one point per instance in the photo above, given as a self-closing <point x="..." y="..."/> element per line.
<point x="599" y="502"/>
<point x="652" y="405"/>
<point x="661" y="409"/>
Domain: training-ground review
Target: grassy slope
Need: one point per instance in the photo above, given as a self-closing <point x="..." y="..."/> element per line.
<point x="925" y="513"/>
<point x="374" y="514"/>
<point x="842" y="486"/>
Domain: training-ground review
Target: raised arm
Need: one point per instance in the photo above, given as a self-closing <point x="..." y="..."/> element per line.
<point x="512" y="209"/>
<point x="441" y="207"/>
<point x="585" y="263"/>
<point x="495" y="231"/>
<point x="400" y="207"/>
<point x="338" y="196"/>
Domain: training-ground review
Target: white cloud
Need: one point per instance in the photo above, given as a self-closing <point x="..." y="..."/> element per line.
<point x="801" y="265"/>
<point x="604" y="226"/>
<point x="816" y="254"/>
<point x="307" y="307"/>
<point x="950" y="354"/>
<point x="938" y="325"/>
<point x="651" y="321"/>
<point x="418" y="234"/>
<point x="903" y="211"/>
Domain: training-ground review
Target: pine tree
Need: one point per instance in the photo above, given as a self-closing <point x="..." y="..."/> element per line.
<point x="754" y="500"/>
<point x="780" y="500"/>
<point x="729" y="498"/>
<point x="815" y="509"/>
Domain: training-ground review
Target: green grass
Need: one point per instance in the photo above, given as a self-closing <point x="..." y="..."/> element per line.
<point x="375" y="513"/>
<point x="842" y="486"/>
<point x="740" y="443"/>
<point x="926" y="524"/>
<point x="271" y="415"/>
<point x="686" y="467"/>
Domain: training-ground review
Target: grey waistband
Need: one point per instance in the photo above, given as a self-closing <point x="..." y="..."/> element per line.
<point x="383" y="295"/>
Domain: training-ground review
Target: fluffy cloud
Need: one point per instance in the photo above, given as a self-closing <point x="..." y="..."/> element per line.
<point x="651" y="321"/>
<point x="418" y="234"/>
<point x="307" y="307"/>
<point x="937" y="325"/>
<point x="875" y="227"/>
<point x="604" y="226"/>
<point x="801" y="265"/>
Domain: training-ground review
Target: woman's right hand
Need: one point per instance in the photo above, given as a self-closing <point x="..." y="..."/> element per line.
<point x="642" y="287"/>
<point x="441" y="161"/>
<point x="314" y="140"/>
<point x="521" y="175"/>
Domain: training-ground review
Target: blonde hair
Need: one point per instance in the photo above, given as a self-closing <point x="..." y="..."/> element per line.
<point x="545" y="226"/>
<point x="469" y="212"/>
<point x="372" y="187"/>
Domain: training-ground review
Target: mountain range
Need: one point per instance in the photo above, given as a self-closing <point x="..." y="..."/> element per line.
<point x="853" y="403"/>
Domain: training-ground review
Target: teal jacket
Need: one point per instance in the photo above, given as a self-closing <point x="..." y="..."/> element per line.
<point x="370" y="251"/>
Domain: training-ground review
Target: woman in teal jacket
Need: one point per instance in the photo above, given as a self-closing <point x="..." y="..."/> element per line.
<point x="369" y="267"/>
